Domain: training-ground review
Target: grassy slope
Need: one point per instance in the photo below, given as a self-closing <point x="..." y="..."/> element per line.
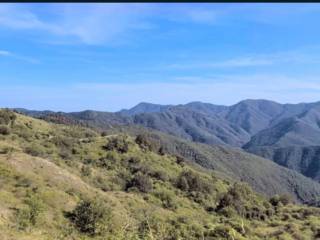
<point x="264" y="176"/>
<point x="60" y="165"/>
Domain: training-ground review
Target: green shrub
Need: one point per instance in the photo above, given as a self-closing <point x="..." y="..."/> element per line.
<point x="23" y="182"/>
<point x="141" y="182"/>
<point x="168" y="199"/>
<point x="108" y="162"/>
<point x="140" y="167"/>
<point x="91" y="217"/>
<point x="36" y="207"/>
<point x="23" y="218"/>
<point x="147" y="142"/>
<point x="119" y="181"/>
<point x="4" y="130"/>
<point x="190" y="181"/>
<point x="102" y="183"/>
<point x="317" y="234"/>
<point x="7" y="116"/>
<point x="278" y="200"/>
<point x="239" y="198"/>
<point x="119" y="144"/>
<point x="34" y="150"/>
<point x="103" y="134"/>
<point x="235" y="197"/>
<point x="29" y="215"/>
<point x="160" y="175"/>
<point x="180" y="160"/>
<point x="23" y="132"/>
<point x="6" y="150"/>
<point x="220" y="232"/>
<point x="63" y="142"/>
<point x="144" y="230"/>
<point x="86" y="171"/>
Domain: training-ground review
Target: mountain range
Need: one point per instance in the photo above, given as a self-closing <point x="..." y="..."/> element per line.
<point x="288" y="134"/>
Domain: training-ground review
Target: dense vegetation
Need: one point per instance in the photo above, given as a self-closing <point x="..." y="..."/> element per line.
<point x="70" y="182"/>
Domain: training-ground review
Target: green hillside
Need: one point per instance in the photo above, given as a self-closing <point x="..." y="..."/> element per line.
<point x="263" y="176"/>
<point x="69" y="182"/>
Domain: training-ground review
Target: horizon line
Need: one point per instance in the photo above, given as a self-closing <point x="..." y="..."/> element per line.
<point x="159" y="104"/>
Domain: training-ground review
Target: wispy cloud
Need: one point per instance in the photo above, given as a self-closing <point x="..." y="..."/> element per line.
<point x="306" y="55"/>
<point x="96" y="23"/>
<point x="230" y="63"/>
<point x="91" y="24"/>
<point x="4" y="53"/>
<point x="196" y="13"/>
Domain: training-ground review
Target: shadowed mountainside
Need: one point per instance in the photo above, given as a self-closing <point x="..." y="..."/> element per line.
<point x="262" y="127"/>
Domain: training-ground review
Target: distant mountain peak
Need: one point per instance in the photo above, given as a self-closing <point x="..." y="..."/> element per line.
<point x="144" y="107"/>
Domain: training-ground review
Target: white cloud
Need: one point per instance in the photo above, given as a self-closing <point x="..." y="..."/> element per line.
<point x="95" y="23"/>
<point x="90" y="23"/>
<point x="230" y="63"/>
<point x="305" y="55"/>
<point x="4" y="53"/>
<point x="16" y="17"/>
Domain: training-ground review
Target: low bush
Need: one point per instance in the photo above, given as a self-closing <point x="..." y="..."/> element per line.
<point x="6" y="150"/>
<point x="220" y="232"/>
<point x="146" y="142"/>
<point x="109" y="161"/>
<point x="277" y="200"/>
<point x="86" y="171"/>
<point x="62" y="141"/>
<point x="102" y="183"/>
<point x="160" y="175"/>
<point x="180" y="160"/>
<point x="119" y="144"/>
<point x="65" y="154"/>
<point x="23" y="132"/>
<point x="4" y="130"/>
<point x="190" y="181"/>
<point x="29" y="215"/>
<point x="7" y="116"/>
<point x="239" y="198"/>
<point x="91" y="217"/>
<point x="103" y="134"/>
<point x="168" y="199"/>
<point x="34" y="150"/>
<point x="141" y="182"/>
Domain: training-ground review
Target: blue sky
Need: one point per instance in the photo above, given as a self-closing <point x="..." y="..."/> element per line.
<point x="72" y="57"/>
